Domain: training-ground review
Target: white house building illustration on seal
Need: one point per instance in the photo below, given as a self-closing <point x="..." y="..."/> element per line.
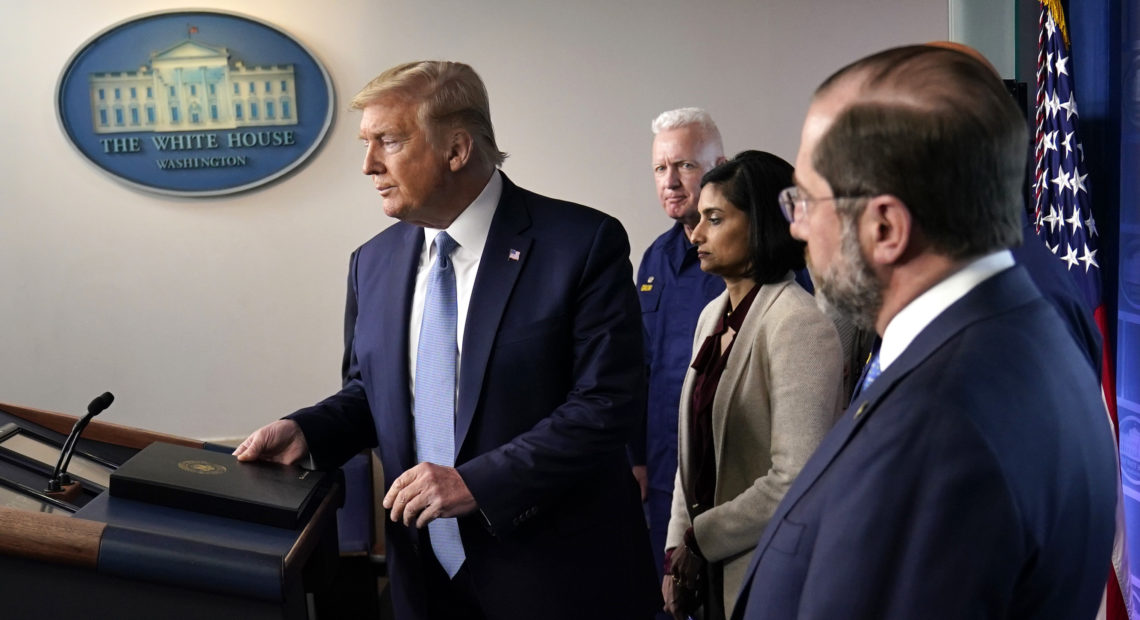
<point x="193" y="86"/>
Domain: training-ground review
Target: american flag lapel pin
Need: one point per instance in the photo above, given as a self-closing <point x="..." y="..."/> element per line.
<point x="514" y="254"/>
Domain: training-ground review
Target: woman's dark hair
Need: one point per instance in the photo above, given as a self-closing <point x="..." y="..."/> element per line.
<point x="752" y="182"/>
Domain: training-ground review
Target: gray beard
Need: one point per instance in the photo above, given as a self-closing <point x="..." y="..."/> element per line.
<point x="848" y="289"/>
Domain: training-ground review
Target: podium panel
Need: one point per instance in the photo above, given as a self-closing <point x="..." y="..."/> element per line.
<point x="97" y="556"/>
<point x="34" y="590"/>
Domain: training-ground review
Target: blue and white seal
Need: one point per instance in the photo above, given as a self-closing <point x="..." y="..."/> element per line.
<point x="195" y="103"/>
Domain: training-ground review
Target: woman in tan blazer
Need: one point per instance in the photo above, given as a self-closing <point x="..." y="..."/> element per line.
<point x="762" y="392"/>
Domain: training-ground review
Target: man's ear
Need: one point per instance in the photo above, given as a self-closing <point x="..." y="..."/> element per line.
<point x="460" y="148"/>
<point x="886" y="228"/>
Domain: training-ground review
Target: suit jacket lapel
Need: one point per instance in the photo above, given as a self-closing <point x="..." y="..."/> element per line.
<point x="997" y="294"/>
<point x="739" y="357"/>
<point x="399" y="277"/>
<point x="504" y="256"/>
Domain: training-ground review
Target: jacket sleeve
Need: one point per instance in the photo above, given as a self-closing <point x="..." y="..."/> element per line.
<point x="340" y="426"/>
<point x="587" y="434"/>
<point x="678" y="516"/>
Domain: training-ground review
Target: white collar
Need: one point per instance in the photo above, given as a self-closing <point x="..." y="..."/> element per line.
<point x="920" y="312"/>
<point x="471" y="228"/>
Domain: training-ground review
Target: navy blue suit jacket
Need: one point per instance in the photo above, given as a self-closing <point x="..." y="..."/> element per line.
<point x="551" y="382"/>
<point x="975" y="478"/>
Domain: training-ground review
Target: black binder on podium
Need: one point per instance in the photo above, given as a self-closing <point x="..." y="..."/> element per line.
<point x="215" y="483"/>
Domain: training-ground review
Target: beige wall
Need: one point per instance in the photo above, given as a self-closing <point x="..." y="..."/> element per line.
<point x="210" y="317"/>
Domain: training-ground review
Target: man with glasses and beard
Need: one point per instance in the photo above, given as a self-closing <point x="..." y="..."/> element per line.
<point x="973" y="474"/>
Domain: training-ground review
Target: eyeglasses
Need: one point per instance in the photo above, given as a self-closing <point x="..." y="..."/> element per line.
<point x="790" y="200"/>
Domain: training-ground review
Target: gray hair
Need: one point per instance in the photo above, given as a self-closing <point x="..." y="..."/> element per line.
<point x="683" y="117"/>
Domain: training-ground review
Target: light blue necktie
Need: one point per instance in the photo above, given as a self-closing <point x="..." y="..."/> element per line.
<point x="435" y="391"/>
<point x="872" y="373"/>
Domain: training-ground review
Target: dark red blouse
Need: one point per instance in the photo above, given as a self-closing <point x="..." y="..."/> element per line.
<point x="709" y="364"/>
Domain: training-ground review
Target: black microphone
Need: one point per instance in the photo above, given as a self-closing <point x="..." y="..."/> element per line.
<point x="59" y="476"/>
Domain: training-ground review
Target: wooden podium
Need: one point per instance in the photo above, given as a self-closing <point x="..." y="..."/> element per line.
<point x="120" y="559"/>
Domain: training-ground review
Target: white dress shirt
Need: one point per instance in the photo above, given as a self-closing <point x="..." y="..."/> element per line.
<point x="920" y="312"/>
<point x="469" y="230"/>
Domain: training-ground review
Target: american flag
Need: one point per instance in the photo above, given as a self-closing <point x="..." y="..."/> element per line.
<point x="1064" y="220"/>
<point x="1063" y="217"/>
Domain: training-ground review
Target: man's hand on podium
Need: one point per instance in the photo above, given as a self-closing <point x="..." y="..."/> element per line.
<point x="279" y="442"/>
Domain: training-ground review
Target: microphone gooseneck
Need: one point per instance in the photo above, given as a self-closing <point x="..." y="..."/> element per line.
<point x="59" y="475"/>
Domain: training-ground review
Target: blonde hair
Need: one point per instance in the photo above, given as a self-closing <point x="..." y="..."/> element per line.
<point x="449" y="94"/>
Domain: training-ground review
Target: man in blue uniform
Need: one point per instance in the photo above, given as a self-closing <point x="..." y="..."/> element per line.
<point x="673" y="290"/>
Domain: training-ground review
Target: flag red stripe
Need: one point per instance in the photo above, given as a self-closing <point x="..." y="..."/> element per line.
<point x="1114" y="608"/>
<point x="1108" y="370"/>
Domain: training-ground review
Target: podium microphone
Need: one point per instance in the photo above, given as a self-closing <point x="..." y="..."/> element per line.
<point x="59" y="476"/>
